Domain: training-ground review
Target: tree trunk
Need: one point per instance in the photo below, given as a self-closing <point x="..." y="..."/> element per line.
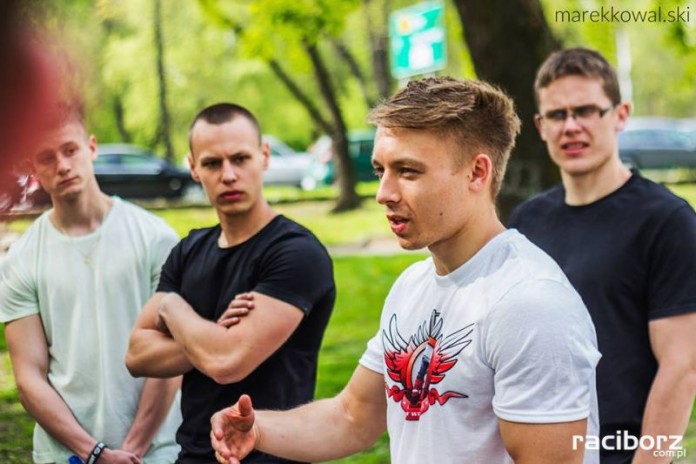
<point x="508" y="40"/>
<point x="347" y="179"/>
<point x="379" y="43"/>
<point x="120" y="118"/>
<point x="345" y="54"/>
<point x="164" y="126"/>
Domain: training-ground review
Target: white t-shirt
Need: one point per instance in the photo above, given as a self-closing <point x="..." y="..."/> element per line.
<point x="503" y="336"/>
<point x="89" y="291"/>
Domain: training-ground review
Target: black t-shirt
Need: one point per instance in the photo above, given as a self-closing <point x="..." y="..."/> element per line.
<point x="283" y="260"/>
<point x="632" y="258"/>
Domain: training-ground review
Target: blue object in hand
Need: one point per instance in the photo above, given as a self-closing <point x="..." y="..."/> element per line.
<point x="74" y="460"/>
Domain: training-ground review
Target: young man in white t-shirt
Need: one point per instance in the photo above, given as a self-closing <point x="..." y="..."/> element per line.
<point x="70" y="292"/>
<point x="485" y="353"/>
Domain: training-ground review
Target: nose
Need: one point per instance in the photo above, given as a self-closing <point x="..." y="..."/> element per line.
<point x="388" y="191"/>
<point x="229" y="174"/>
<point x="571" y="124"/>
<point x="62" y="164"/>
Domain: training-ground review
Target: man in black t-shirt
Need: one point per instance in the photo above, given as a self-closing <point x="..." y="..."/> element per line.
<point x="628" y="245"/>
<point x="253" y="259"/>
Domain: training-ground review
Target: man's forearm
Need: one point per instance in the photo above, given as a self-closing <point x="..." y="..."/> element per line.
<point x="155" y="403"/>
<point x="154" y="354"/>
<point x="204" y="343"/>
<point x="300" y="435"/>
<point x="49" y="410"/>
<point x="667" y="411"/>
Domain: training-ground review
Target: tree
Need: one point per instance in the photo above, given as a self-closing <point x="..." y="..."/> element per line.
<point x="164" y="125"/>
<point x="508" y="40"/>
<point x="290" y="34"/>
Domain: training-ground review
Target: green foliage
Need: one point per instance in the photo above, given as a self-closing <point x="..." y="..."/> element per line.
<point x="663" y="62"/>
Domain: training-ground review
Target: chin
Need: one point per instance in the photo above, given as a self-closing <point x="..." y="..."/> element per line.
<point x="409" y="244"/>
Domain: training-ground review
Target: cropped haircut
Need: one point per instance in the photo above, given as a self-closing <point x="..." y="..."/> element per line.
<point x="57" y="114"/>
<point x="62" y="112"/>
<point x="221" y="113"/>
<point x="475" y="116"/>
<point x="578" y="62"/>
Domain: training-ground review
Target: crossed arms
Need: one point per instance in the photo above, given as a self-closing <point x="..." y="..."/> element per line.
<point x="170" y="338"/>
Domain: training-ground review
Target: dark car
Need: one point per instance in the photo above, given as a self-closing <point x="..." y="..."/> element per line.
<point x="658" y="148"/>
<point x="322" y="170"/>
<point x="132" y="172"/>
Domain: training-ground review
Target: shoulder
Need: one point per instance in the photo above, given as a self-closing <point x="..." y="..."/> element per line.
<point x="30" y="240"/>
<point x="285" y="235"/>
<point x="520" y="261"/>
<point x="651" y="197"/>
<point x="140" y="216"/>
<point x="204" y="237"/>
<point x="541" y="202"/>
<point x="413" y="275"/>
<point x="654" y="207"/>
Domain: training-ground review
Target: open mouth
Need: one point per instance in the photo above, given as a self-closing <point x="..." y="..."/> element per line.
<point x="398" y="224"/>
<point x="574" y="147"/>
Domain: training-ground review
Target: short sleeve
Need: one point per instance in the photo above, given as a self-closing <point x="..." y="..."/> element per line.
<point x="18" y="297"/>
<point x="672" y="266"/>
<point x="373" y="357"/>
<point x="540" y="342"/>
<point x="161" y="246"/>
<point x="170" y="276"/>
<point x="298" y="271"/>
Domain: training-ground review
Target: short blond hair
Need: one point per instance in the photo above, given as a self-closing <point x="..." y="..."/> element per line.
<point x="479" y="117"/>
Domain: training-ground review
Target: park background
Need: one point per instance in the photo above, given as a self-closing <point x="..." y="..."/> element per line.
<point x="313" y="67"/>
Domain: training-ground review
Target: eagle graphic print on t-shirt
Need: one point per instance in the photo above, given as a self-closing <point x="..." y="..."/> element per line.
<point x="421" y="362"/>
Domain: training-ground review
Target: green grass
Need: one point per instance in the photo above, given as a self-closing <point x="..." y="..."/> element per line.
<point x="352" y="227"/>
<point x="363" y="283"/>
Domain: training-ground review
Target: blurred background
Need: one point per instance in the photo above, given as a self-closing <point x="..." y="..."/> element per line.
<point x="311" y="69"/>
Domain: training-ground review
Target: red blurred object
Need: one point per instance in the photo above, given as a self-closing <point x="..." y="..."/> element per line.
<point x="28" y="85"/>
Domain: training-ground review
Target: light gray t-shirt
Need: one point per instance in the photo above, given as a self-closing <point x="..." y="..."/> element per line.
<point x="89" y="291"/>
<point x="503" y="336"/>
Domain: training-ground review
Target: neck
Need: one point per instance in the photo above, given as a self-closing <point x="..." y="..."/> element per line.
<point x="452" y="253"/>
<point x="81" y="215"/>
<point x="238" y="228"/>
<point x="592" y="186"/>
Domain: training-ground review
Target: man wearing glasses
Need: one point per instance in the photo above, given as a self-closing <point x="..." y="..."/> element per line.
<point x="628" y="246"/>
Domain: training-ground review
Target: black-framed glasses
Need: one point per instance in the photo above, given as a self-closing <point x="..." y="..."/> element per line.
<point x="582" y="113"/>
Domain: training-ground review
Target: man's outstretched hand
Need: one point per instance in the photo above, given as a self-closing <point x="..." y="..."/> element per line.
<point x="233" y="434"/>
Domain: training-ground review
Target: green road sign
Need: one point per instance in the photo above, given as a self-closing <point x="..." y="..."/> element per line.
<point x="417" y="36"/>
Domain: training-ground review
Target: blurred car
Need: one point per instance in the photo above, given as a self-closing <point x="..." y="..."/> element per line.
<point x="322" y="170"/>
<point x="657" y="148"/>
<point x="129" y="171"/>
<point x="286" y="166"/>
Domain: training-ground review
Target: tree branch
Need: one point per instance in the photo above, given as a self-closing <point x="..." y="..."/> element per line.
<point x="304" y="100"/>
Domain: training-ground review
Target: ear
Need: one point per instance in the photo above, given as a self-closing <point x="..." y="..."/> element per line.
<point x="92" y="143"/>
<point x="623" y="111"/>
<point x="266" y="153"/>
<point x="192" y="168"/>
<point x="480" y="173"/>
<point x="538" y="124"/>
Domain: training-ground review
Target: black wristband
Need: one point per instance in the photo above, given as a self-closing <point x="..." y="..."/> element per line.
<point x="96" y="452"/>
